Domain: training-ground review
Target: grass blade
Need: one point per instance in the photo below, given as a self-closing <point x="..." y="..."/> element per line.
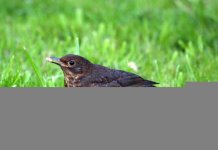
<point x="35" y="68"/>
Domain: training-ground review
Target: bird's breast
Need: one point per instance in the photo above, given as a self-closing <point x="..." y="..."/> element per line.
<point x="72" y="81"/>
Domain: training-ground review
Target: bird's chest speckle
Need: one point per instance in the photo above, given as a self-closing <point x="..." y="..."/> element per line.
<point x="72" y="81"/>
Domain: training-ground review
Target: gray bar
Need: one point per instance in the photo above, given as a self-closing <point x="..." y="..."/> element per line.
<point x="109" y="118"/>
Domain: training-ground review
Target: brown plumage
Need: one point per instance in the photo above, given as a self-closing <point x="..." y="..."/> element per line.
<point x="79" y="72"/>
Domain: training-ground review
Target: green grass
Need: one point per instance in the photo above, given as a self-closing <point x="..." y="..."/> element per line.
<point x="171" y="41"/>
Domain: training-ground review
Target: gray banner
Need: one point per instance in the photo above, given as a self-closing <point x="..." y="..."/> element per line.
<point x="109" y="118"/>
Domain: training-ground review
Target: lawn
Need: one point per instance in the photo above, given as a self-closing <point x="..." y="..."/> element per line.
<point x="170" y="41"/>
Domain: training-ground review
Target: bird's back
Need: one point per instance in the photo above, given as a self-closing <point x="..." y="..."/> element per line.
<point x="104" y="77"/>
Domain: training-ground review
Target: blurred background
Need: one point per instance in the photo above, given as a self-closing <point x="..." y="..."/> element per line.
<point x="168" y="41"/>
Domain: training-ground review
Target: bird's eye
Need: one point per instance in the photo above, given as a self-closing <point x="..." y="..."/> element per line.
<point x="71" y="63"/>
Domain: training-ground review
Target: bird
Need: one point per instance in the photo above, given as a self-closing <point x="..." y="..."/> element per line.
<point x="80" y="72"/>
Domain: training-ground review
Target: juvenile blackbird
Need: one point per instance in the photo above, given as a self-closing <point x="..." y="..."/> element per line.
<point x="79" y="72"/>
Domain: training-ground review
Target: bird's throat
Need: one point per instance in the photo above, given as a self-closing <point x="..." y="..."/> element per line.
<point x="72" y="81"/>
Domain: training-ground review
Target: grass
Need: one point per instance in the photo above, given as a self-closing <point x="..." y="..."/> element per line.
<point x="171" y="41"/>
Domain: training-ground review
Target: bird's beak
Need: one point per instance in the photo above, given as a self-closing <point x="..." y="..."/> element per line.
<point x="54" y="60"/>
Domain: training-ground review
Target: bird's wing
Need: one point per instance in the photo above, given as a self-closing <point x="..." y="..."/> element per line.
<point x="118" y="78"/>
<point x="126" y="79"/>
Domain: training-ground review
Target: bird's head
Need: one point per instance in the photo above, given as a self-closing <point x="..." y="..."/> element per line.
<point x="72" y="65"/>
